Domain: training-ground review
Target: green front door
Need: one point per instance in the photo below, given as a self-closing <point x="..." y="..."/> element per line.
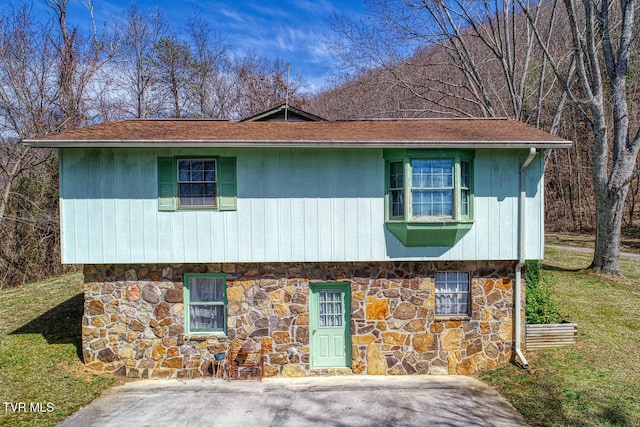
<point x="330" y="325"/>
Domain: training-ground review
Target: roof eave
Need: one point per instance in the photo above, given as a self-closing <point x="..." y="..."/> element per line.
<point x="293" y="144"/>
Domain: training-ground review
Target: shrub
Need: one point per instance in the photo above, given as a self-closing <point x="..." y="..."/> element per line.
<point x="540" y="307"/>
<point x="532" y="272"/>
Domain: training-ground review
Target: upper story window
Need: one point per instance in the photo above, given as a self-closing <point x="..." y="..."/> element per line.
<point x="431" y="188"/>
<point x="429" y="192"/>
<point x="197" y="183"/>
<point x="396" y="191"/>
<point x="438" y="189"/>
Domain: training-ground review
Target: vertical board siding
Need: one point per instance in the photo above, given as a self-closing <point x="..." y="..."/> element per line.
<point x="293" y="205"/>
<point x="229" y="232"/>
<point x="535" y="208"/>
<point x="338" y="214"/>
<point x="147" y="181"/>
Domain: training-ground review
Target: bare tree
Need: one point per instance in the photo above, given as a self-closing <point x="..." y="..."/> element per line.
<point x="78" y="62"/>
<point x="459" y="57"/>
<point x="44" y="75"/>
<point x="140" y="35"/>
<point x="632" y="202"/>
<point x="209" y="57"/>
<point x="224" y="95"/>
<point x="603" y="31"/>
<point x="27" y="59"/>
<point x="27" y="109"/>
<point x="602" y="34"/>
<point x="264" y="83"/>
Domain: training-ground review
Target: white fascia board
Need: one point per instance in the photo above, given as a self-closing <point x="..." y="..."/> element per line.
<point x="294" y="144"/>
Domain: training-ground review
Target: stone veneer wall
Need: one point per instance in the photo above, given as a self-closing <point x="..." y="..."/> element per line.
<point x="134" y="316"/>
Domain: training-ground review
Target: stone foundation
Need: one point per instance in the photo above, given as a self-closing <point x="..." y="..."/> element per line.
<point x="133" y="321"/>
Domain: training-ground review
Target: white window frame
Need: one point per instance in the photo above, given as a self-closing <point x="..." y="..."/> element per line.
<point x="453" y="304"/>
<point x="451" y="189"/>
<point x="214" y="205"/>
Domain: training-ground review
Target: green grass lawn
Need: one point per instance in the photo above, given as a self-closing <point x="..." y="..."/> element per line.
<point x="40" y="347"/>
<point x="597" y="381"/>
<point x="628" y="243"/>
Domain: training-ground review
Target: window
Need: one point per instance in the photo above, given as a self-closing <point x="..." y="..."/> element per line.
<point x="330" y="308"/>
<point x="396" y="192"/>
<point x="432" y="188"/>
<point x="452" y="293"/>
<point x="465" y="188"/>
<point x="429" y="199"/>
<point x="196" y="183"/>
<point x="438" y="189"/>
<point x="205" y="303"/>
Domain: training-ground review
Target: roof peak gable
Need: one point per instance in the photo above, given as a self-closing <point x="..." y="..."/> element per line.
<point x="283" y="113"/>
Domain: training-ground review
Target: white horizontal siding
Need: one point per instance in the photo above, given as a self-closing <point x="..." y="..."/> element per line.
<point x="293" y="205"/>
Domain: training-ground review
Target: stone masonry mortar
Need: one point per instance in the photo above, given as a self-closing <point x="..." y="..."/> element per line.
<point x="133" y="322"/>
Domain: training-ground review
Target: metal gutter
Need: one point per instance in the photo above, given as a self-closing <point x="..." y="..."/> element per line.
<point x="522" y="223"/>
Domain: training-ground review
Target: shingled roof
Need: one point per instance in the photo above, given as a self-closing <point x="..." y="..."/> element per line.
<point x="416" y="133"/>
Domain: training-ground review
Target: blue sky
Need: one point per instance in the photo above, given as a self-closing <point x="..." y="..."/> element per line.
<point x="290" y="29"/>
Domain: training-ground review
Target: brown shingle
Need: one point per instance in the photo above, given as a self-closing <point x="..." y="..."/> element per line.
<point x="183" y="132"/>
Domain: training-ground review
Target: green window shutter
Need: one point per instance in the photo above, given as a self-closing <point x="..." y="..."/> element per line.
<point x="227" y="187"/>
<point x="167" y="184"/>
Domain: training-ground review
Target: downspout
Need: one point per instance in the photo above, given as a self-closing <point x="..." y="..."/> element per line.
<point x="522" y="223"/>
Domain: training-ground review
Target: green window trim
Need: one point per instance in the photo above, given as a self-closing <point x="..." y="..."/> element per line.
<point x="437" y="230"/>
<point x="189" y="327"/>
<point x="226" y="184"/>
<point x="417" y="234"/>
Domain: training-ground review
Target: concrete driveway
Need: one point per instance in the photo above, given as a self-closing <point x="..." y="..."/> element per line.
<point x="312" y="401"/>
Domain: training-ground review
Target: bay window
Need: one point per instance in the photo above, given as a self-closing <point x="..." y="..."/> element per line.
<point x="429" y="195"/>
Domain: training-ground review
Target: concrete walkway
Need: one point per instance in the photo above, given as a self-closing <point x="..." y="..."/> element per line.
<point x="313" y="401"/>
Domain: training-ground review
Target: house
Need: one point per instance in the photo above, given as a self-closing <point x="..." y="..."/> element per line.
<point x="364" y="247"/>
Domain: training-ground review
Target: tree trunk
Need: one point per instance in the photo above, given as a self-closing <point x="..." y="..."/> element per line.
<point x="11" y="177"/>
<point x="609" y="214"/>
